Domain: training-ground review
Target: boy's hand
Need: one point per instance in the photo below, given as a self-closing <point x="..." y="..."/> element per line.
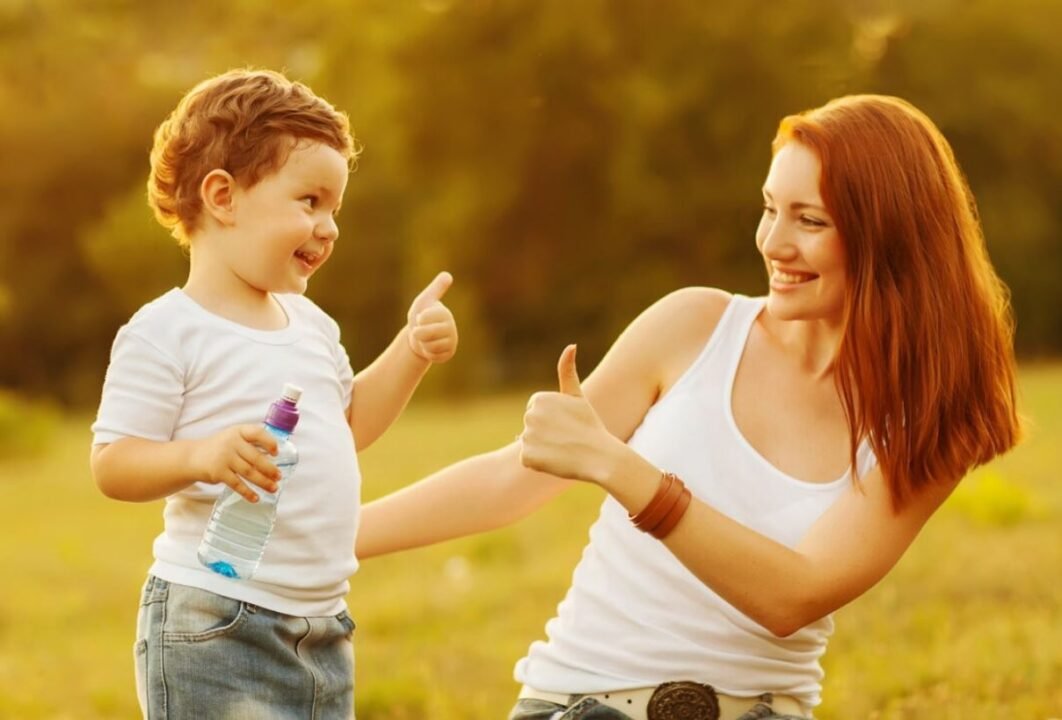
<point x="234" y="457"/>
<point x="432" y="329"/>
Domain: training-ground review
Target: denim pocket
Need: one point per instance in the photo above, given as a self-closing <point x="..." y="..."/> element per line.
<point x="194" y="615"/>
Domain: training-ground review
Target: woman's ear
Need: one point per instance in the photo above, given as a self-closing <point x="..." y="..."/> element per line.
<point x="217" y="193"/>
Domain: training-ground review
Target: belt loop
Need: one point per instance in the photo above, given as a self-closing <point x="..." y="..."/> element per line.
<point x="760" y="710"/>
<point x="158" y="590"/>
<point x="580" y="709"/>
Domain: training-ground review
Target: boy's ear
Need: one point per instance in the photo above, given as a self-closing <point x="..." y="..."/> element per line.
<point x="217" y="192"/>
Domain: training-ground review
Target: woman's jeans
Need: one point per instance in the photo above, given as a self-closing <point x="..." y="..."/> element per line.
<point x="590" y="709"/>
<point x="202" y="655"/>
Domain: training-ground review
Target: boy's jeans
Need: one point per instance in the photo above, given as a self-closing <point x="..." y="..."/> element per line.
<point x="201" y="655"/>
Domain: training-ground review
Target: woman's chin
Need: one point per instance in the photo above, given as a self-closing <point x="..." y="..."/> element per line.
<point x="789" y="308"/>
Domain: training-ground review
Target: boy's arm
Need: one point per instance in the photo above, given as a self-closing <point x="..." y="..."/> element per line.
<point x="139" y="470"/>
<point x="382" y="390"/>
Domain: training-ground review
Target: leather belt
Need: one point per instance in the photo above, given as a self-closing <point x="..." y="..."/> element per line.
<point x="675" y="700"/>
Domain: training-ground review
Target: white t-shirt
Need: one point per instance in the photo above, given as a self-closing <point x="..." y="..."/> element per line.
<point x="179" y="372"/>
<point x="634" y="615"/>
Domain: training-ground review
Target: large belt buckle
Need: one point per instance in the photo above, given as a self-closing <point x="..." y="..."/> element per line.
<point x="683" y="701"/>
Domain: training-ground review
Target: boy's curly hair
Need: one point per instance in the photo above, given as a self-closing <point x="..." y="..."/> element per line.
<point x="243" y="122"/>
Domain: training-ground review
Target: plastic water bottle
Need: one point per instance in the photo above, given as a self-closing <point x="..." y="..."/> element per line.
<point x="238" y="530"/>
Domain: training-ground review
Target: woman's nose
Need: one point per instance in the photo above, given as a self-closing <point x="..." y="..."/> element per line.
<point x="776" y="241"/>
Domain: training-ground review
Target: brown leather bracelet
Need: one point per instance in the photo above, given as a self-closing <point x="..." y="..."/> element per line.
<point x="661" y="490"/>
<point x="675" y="513"/>
<point x="656" y="513"/>
<point x="666" y="494"/>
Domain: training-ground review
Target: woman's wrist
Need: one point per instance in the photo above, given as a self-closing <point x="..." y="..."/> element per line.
<point x="628" y="477"/>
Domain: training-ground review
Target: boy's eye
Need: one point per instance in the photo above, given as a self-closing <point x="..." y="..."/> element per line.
<point x="767" y="209"/>
<point x="310" y="200"/>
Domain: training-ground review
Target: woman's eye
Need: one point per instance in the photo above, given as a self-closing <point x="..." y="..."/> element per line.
<point x="814" y="222"/>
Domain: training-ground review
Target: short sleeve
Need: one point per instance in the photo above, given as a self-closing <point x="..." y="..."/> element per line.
<point x="343" y="370"/>
<point x="142" y="393"/>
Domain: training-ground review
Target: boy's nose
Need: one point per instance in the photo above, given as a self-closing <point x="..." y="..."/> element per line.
<point x="328" y="230"/>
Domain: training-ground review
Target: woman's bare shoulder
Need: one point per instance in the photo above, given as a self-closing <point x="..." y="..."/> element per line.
<point x="707" y="301"/>
<point x="676" y="327"/>
<point x="689" y="311"/>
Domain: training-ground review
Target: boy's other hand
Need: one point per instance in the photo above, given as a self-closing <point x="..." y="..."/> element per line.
<point x="432" y="329"/>
<point x="235" y="457"/>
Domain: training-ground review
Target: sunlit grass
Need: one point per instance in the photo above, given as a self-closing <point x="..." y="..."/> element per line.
<point x="969" y="624"/>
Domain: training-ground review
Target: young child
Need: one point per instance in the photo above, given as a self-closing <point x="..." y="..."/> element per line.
<point x="249" y="172"/>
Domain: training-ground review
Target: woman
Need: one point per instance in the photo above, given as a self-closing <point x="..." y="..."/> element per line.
<point x="780" y="453"/>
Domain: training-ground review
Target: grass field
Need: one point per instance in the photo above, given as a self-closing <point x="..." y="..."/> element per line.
<point x="969" y="625"/>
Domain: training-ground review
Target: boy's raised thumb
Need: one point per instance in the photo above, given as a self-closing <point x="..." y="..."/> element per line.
<point x="435" y="290"/>
<point x="568" y="374"/>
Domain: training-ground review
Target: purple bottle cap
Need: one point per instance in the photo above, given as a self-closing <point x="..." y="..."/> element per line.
<point x="283" y="414"/>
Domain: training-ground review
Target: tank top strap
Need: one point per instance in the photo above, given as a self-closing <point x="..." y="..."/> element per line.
<point x="736" y="333"/>
<point x="723" y="350"/>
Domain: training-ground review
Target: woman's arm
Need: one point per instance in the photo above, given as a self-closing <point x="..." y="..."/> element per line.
<point x="852" y="546"/>
<point x="383" y="389"/>
<point x="845" y="553"/>
<point x="475" y="495"/>
<point x="494" y="489"/>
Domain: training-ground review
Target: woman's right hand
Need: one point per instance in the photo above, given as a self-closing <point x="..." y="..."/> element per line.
<point x="237" y="456"/>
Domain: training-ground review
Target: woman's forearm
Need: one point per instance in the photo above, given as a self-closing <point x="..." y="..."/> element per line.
<point x="855" y="542"/>
<point x="475" y="495"/>
<point x="735" y="561"/>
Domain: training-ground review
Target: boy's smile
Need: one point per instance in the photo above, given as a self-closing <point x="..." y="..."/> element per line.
<point x="269" y="237"/>
<point x="285" y="225"/>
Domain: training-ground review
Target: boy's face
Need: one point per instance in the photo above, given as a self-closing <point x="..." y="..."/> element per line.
<point x="285" y="224"/>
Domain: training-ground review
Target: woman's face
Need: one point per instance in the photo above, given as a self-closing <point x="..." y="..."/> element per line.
<point x="799" y="242"/>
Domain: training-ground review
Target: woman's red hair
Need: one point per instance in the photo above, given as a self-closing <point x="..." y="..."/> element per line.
<point x="925" y="368"/>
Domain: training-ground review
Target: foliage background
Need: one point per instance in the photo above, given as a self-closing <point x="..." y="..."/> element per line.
<point x="569" y="162"/>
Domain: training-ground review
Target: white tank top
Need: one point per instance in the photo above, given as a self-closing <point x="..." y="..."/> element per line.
<point x="634" y="616"/>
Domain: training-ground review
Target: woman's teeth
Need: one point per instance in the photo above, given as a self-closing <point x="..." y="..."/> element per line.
<point x="792" y="278"/>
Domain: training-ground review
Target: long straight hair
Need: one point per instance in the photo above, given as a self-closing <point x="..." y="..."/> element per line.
<point x="925" y="368"/>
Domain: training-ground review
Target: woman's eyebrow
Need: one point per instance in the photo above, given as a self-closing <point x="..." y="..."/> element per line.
<point x="796" y="205"/>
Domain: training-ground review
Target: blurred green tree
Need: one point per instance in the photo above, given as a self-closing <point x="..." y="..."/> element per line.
<point x="568" y="162"/>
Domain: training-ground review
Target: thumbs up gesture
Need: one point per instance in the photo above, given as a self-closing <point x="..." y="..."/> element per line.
<point x="562" y="433"/>
<point x="432" y="329"/>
